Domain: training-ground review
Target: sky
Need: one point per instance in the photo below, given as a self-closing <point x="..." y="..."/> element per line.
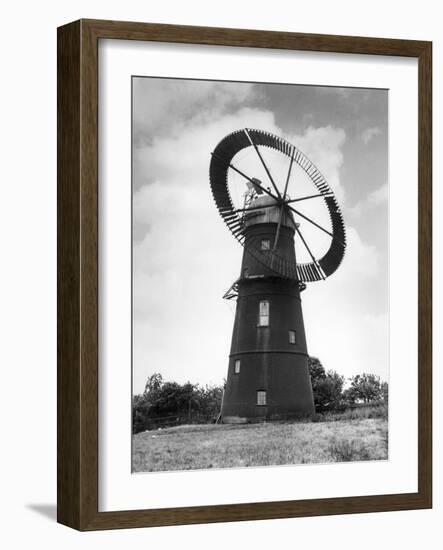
<point x="184" y="257"/>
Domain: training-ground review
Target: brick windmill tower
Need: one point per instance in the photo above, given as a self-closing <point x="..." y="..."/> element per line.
<point x="268" y="374"/>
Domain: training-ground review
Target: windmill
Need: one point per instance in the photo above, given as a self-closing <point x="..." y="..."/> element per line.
<point x="268" y="374"/>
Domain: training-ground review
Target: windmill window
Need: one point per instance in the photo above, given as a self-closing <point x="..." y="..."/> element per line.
<point x="292" y="337"/>
<point x="263" y="314"/>
<point x="265" y="244"/>
<point x="261" y="397"/>
<point x="237" y="366"/>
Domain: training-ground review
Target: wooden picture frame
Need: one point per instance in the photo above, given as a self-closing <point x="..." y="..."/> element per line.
<point x="78" y="274"/>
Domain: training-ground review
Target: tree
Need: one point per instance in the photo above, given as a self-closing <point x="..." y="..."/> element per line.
<point x="385" y="391"/>
<point x="328" y="393"/>
<point x="327" y="387"/>
<point x="140" y="413"/>
<point x="209" y="400"/>
<point x="364" y="387"/>
<point x="153" y="383"/>
<point x="167" y="403"/>
<point x="316" y="370"/>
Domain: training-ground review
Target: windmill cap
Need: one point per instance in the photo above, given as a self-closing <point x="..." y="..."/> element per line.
<point x="270" y="213"/>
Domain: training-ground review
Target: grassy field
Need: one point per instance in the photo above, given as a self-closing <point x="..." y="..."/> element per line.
<point x="337" y="438"/>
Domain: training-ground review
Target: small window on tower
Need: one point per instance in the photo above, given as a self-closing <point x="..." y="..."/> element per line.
<point x="265" y="244"/>
<point x="261" y="397"/>
<point x="237" y="366"/>
<point x="292" y="337"/>
<point x="263" y="314"/>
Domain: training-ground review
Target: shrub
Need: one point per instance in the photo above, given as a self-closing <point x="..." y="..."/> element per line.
<point x="165" y="403"/>
<point x="359" y="413"/>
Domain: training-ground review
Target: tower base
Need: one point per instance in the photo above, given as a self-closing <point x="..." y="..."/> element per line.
<point x="270" y="386"/>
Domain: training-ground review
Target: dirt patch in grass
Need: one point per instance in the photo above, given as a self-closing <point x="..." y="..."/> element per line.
<point x="207" y="446"/>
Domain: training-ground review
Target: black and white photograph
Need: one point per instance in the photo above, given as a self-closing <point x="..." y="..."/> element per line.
<point x="260" y="267"/>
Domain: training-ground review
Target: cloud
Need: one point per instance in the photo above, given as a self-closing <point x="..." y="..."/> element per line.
<point x="374" y="199"/>
<point x="324" y="147"/>
<point x="165" y="105"/>
<point x="379" y="196"/>
<point x="369" y="133"/>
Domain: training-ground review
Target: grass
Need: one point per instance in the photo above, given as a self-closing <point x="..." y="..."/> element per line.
<point x="193" y="447"/>
<point x="357" y="413"/>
